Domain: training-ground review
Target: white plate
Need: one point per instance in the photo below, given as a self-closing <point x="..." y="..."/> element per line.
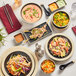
<point x="54" y="58"/>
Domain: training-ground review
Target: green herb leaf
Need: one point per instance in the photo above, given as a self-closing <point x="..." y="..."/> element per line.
<point x="1" y="37"/>
<point x="66" y="44"/>
<point x="30" y="15"/>
<point x="33" y="9"/>
<point x="28" y="9"/>
<point x="18" y="69"/>
<point x="24" y="12"/>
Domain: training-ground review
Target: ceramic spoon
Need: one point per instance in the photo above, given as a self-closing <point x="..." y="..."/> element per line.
<point x="62" y="67"/>
<point x="46" y="12"/>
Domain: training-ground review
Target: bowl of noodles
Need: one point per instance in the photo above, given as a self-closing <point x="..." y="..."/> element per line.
<point x="61" y="19"/>
<point x="18" y="63"/>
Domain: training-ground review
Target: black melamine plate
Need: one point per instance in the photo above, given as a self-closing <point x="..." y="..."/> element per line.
<point x="16" y="53"/>
<point x="49" y="32"/>
<point x="62" y="37"/>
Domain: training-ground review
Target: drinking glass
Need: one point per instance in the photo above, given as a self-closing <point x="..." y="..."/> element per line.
<point x="17" y="4"/>
<point x="73" y="10"/>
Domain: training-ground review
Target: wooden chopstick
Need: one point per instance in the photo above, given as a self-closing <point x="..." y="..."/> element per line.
<point x="8" y="16"/>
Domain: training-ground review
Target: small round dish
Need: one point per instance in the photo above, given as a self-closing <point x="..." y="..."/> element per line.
<point x="48" y="66"/>
<point x="61" y="19"/>
<point x="31" y="13"/>
<point x="57" y="52"/>
<point x="15" y="51"/>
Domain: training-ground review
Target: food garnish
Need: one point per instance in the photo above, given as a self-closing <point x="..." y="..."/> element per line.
<point x="59" y="46"/>
<point x="61" y="19"/>
<point x="31" y="13"/>
<point x="38" y="32"/>
<point x="18" y="64"/>
<point x="48" y="66"/>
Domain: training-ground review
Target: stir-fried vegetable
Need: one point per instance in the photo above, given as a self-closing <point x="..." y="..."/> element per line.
<point x="17" y="65"/>
<point x="59" y="46"/>
<point x="61" y="19"/>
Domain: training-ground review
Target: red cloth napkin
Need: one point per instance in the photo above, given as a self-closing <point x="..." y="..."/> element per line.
<point x="5" y="21"/>
<point x="74" y="29"/>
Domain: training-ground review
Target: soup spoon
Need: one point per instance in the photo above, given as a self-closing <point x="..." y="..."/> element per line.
<point x="62" y="67"/>
<point x="46" y="12"/>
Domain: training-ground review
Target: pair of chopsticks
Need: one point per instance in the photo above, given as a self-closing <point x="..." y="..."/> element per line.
<point x="8" y="15"/>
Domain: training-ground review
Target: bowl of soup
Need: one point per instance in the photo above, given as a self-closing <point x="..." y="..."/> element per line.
<point x="48" y="66"/>
<point x="31" y="13"/>
<point x="61" y="19"/>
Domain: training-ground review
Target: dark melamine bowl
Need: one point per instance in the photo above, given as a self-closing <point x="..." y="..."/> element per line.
<point x="15" y="51"/>
<point x="49" y="53"/>
<point x="30" y="4"/>
<point x="61" y="27"/>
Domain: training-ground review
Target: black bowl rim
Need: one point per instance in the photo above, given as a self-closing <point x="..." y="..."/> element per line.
<point x="61" y="26"/>
<point x="64" y="37"/>
<point x="12" y="53"/>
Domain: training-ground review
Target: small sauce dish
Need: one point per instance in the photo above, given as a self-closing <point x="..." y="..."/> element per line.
<point x="19" y="38"/>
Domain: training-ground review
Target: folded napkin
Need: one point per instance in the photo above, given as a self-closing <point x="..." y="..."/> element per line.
<point x="74" y="29"/>
<point x="5" y="21"/>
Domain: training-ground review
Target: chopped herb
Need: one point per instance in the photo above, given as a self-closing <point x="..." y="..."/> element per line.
<point x="30" y="15"/>
<point x="35" y="38"/>
<point x="61" y="13"/>
<point x="28" y="9"/>
<point x="34" y="14"/>
<point x="18" y="69"/>
<point x="24" y="12"/>
<point x="33" y="9"/>
<point x="45" y="33"/>
<point x="66" y="44"/>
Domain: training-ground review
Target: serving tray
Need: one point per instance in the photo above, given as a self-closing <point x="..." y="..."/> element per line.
<point x="47" y="33"/>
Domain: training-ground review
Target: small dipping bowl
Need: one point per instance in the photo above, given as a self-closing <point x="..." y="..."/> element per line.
<point x="18" y="38"/>
<point x="31" y="13"/>
<point x="61" y="27"/>
<point x="48" y="66"/>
